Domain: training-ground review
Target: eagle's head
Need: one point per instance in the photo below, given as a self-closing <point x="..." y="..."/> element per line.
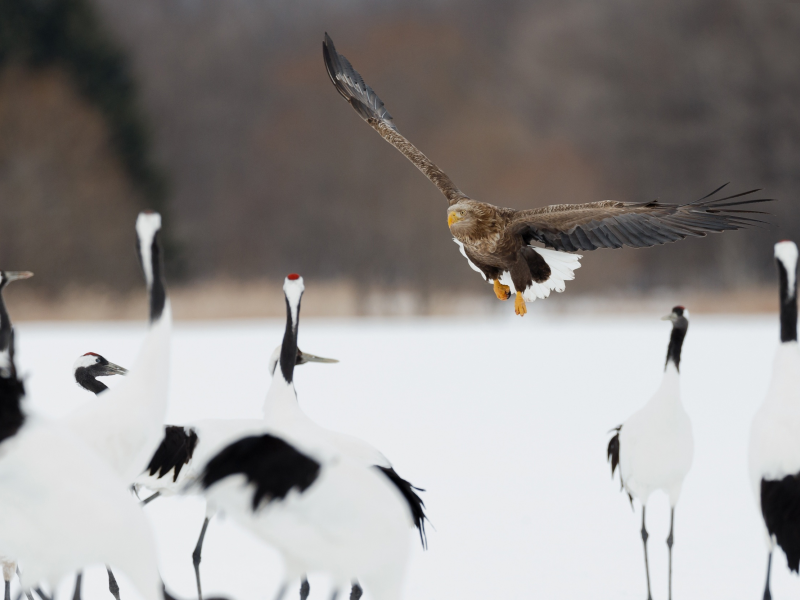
<point x="468" y="219"/>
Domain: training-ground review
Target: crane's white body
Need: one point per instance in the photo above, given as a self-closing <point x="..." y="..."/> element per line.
<point x="63" y="508"/>
<point x="656" y="443"/>
<point x="352" y="523"/>
<point x="281" y="413"/>
<point x="774" y="450"/>
<point x="125" y="424"/>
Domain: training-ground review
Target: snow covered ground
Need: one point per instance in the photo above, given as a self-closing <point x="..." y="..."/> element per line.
<point x="504" y="422"/>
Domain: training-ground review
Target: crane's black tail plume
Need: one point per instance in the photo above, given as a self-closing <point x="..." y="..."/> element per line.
<point x="415" y="503"/>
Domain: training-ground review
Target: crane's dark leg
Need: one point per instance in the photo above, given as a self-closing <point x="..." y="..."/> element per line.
<point x="767" y="595"/>
<point x="113" y="587"/>
<point x="196" y="558"/>
<point x="335" y="594"/>
<point x="76" y="594"/>
<point x="41" y="593"/>
<point x="281" y="590"/>
<point x="646" y="565"/>
<point x="356" y="592"/>
<point x="149" y="499"/>
<point x="305" y="589"/>
<point x="28" y="594"/>
<point x="8" y="590"/>
<point x="670" y="539"/>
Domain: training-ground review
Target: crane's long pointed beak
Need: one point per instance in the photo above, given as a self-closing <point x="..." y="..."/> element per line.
<point x="14" y="275"/>
<point x="669" y="317"/>
<point x="305" y="357"/>
<point x="112" y="369"/>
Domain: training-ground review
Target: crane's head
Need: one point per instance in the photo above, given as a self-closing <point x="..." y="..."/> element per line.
<point x="679" y="317"/>
<point x="680" y="325"/>
<point x="90" y="366"/>
<point x="302" y="358"/>
<point x="148" y="226"/>
<point x="786" y="257"/>
<point x="288" y="355"/>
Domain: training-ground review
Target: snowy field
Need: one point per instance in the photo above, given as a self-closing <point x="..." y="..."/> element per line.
<point x="504" y="422"/>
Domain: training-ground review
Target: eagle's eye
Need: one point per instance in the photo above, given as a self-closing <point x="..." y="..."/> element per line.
<point x="461" y="213"/>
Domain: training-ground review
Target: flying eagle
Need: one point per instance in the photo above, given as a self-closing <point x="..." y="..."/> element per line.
<point x="497" y="241"/>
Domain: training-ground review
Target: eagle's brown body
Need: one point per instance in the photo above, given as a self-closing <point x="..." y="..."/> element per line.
<point x="497" y="241"/>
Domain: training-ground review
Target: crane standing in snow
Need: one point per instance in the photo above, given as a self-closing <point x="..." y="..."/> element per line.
<point x="124" y="426"/>
<point x="654" y="447"/>
<point x="6" y="334"/>
<point x="63" y="507"/>
<point x="322" y="509"/>
<point x="774" y="452"/>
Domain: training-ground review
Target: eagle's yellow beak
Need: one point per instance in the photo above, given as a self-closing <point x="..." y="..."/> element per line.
<point x="452" y="218"/>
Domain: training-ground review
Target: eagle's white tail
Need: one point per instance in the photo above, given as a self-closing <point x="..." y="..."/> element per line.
<point x="562" y="266"/>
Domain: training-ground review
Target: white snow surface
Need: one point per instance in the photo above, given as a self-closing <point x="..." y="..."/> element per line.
<point x="504" y="421"/>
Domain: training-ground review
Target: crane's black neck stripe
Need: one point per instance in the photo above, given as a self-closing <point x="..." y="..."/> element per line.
<point x="175" y="451"/>
<point x="268" y="462"/>
<point x="679" y="328"/>
<point x="415" y="503"/>
<point x="788" y="305"/>
<point x="780" y="507"/>
<point x="158" y="291"/>
<point x="87" y="380"/>
<point x="289" y="347"/>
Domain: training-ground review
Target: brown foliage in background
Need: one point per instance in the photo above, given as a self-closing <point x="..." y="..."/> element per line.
<point x="522" y="103"/>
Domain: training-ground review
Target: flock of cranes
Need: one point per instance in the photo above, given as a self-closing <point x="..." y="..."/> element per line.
<point x="330" y="502"/>
<point x="327" y="501"/>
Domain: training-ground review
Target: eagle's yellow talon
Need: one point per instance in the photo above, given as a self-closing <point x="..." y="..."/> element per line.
<point x="519" y="305"/>
<point x="503" y="292"/>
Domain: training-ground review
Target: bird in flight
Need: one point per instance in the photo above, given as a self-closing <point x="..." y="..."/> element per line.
<point x="497" y="241"/>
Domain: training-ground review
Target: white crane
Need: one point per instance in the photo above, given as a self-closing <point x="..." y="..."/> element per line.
<point x="320" y="508"/>
<point x="8" y="565"/>
<point x="87" y="369"/>
<point x="63" y="508"/>
<point x="774" y="452"/>
<point x="124" y="426"/>
<point x="654" y="447"/>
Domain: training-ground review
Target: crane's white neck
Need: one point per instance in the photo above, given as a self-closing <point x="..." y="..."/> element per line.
<point x="668" y="395"/>
<point x="786" y="258"/>
<point x="280" y="405"/>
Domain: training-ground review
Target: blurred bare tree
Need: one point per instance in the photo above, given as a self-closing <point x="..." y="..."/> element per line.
<point x="522" y="103"/>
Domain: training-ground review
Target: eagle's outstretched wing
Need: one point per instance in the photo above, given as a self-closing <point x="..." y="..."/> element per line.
<point x="612" y="224"/>
<point x="367" y="104"/>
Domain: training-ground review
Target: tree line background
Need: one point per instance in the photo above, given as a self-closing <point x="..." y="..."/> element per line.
<point x="220" y="114"/>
